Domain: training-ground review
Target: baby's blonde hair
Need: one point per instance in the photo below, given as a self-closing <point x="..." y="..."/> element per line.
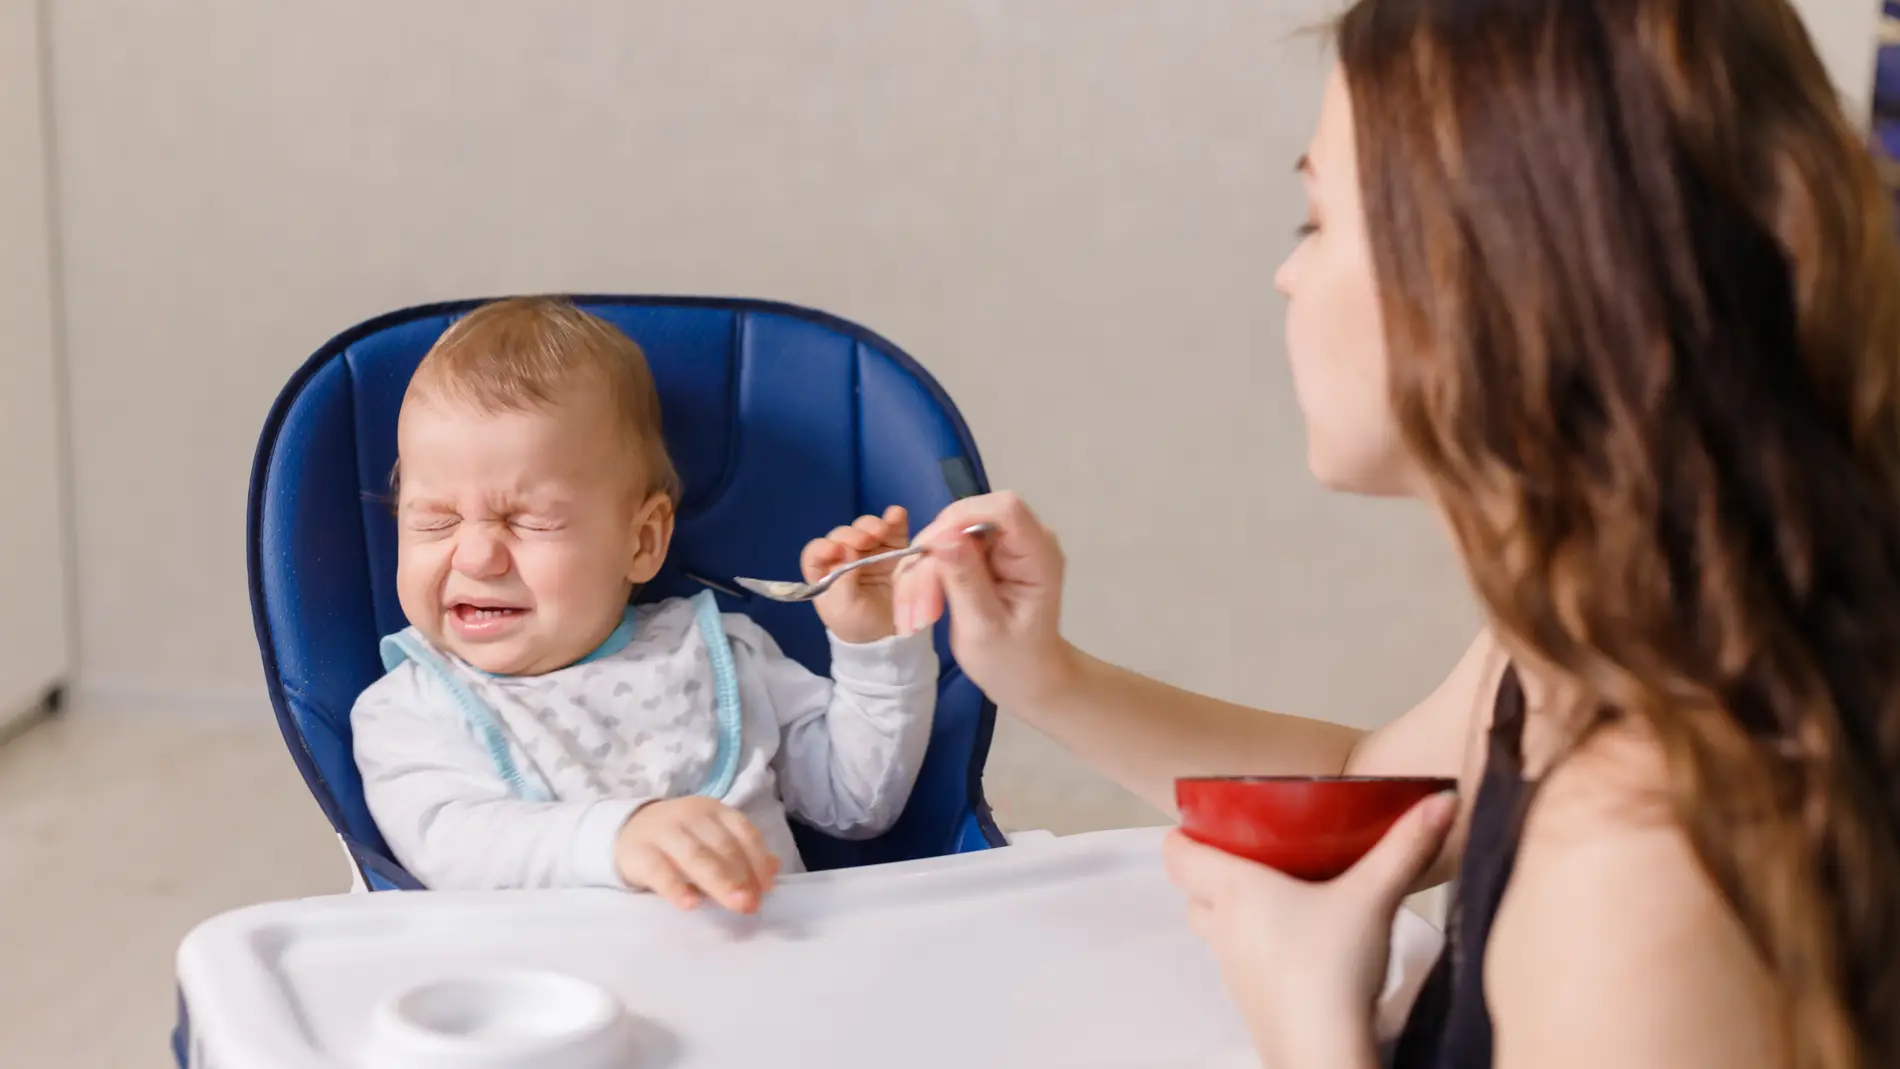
<point x="530" y="352"/>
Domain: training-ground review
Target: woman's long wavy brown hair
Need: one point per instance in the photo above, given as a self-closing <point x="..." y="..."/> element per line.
<point x="1642" y="293"/>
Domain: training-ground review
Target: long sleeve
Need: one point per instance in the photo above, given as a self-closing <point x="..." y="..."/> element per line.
<point x="852" y="745"/>
<point x="448" y="816"/>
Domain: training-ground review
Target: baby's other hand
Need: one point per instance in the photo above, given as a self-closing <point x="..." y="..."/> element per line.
<point x="858" y="608"/>
<point x="687" y="849"/>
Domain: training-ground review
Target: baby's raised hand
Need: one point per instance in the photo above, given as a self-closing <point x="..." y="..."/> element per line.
<point x="688" y="849"/>
<point x="858" y="608"/>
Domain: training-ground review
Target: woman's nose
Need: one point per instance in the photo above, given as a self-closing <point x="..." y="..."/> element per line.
<point x="1283" y="276"/>
<point x="479" y="553"/>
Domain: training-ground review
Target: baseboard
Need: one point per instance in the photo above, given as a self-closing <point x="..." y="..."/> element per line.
<point x="22" y="714"/>
<point x="217" y="704"/>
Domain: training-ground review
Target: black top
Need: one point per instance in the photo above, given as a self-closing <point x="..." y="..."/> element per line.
<point x="1450" y="1026"/>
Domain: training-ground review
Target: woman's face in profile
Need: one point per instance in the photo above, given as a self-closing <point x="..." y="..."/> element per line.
<point x="1335" y="333"/>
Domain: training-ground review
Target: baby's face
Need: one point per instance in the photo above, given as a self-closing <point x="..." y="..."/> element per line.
<point x="521" y="533"/>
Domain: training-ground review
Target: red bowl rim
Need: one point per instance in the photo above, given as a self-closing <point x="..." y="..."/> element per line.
<point x="1316" y="779"/>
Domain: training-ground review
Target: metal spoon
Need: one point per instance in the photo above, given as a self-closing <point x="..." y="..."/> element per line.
<point x="788" y="591"/>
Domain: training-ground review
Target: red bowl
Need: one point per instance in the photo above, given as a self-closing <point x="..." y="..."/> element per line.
<point x="1312" y="827"/>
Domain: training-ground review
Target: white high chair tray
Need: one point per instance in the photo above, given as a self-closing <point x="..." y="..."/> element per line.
<point x="1072" y="952"/>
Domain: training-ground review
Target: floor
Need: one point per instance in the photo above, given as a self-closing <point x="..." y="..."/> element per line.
<point x="121" y="832"/>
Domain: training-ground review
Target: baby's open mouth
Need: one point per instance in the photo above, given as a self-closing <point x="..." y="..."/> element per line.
<point x="469" y="612"/>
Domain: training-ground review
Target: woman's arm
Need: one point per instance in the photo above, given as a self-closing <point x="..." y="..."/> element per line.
<point x="1144" y="733"/>
<point x="1004" y="597"/>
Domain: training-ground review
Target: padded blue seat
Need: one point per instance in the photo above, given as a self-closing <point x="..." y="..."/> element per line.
<point x="783" y="422"/>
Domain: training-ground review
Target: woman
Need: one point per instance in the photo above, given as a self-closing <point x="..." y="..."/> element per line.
<point x="1610" y="285"/>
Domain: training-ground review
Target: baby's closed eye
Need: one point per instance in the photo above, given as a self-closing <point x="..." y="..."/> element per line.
<point x="430" y="521"/>
<point x="536" y="523"/>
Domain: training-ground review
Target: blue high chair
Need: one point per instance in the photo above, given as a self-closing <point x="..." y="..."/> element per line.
<point x="783" y="423"/>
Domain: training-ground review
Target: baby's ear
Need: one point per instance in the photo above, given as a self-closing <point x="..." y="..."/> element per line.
<point x="652" y="537"/>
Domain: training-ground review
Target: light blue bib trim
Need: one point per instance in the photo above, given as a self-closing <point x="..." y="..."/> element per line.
<point x="485" y="725"/>
<point x="482" y="722"/>
<point x="712" y="628"/>
<point x="616" y="640"/>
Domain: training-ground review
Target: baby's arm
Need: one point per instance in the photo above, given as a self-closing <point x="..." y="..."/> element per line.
<point x="448" y="816"/>
<point x="853" y="744"/>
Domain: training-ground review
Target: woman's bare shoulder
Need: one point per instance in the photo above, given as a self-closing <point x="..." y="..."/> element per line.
<point x="1435" y="736"/>
<point x="1613" y="946"/>
<point x="1442" y="736"/>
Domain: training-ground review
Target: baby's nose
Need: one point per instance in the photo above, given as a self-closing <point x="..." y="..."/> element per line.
<point x="479" y="554"/>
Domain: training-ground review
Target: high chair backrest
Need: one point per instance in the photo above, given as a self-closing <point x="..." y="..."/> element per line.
<point x="783" y="422"/>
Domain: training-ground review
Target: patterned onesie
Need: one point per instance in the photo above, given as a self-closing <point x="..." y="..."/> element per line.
<point x="480" y="781"/>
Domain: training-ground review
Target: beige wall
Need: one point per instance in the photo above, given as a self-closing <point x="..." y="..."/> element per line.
<point x="33" y="637"/>
<point x="1070" y="209"/>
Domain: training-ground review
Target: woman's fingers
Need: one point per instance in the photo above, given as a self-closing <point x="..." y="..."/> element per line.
<point x="1389" y="869"/>
<point x="963" y="572"/>
<point x="957" y="573"/>
<point x="917" y="602"/>
<point x="955" y="578"/>
<point x="1002" y="591"/>
<point x="1004" y="511"/>
<point x="1203" y="920"/>
<point x="1211" y="878"/>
